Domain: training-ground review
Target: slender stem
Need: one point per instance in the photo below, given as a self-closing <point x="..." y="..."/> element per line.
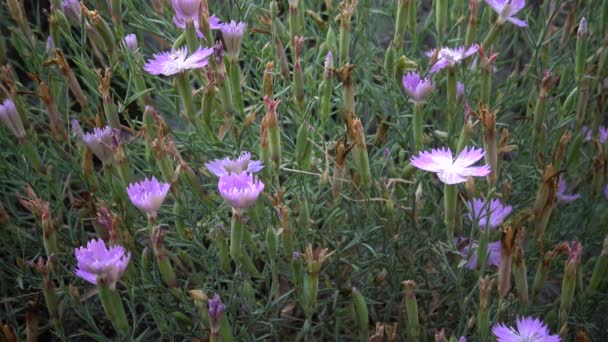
<point x="418" y="123"/>
<point x="236" y="237"/>
<point x="492" y="35"/>
<point x="451" y="103"/>
<point x="235" y="84"/>
<point x="112" y="305"/>
<point x="450" y="197"/>
<point x="184" y="90"/>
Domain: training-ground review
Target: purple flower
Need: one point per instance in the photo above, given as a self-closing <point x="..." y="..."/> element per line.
<point x="97" y="262"/>
<point x="148" y="195"/>
<point x="498" y="212"/>
<point x="71" y="9"/>
<point x="240" y="190"/>
<point x="100" y="141"/>
<point x="529" y="329"/>
<point x="417" y="88"/>
<point x="506" y="9"/>
<point x="603" y="134"/>
<point x="233" y="37"/>
<point x="447" y="56"/>
<point x="11" y="119"/>
<point x="606" y="192"/>
<point x="216" y="313"/>
<point x="220" y="167"/>
<point x="452" y="171"/>
<point x="188" y="11"/>
<point x="50" y="45"/>
<point x="130" y="42"/>
<point x="493" y="253"/>
<point x="561" y="194"/>
<point x="459" y="91"/>
<point x="175" y="61"/>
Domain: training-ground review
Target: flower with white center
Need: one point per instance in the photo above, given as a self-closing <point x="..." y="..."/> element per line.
<point x="240" y="190"/>
<point x="529" y="329"/>
<point x="97" y="262"/>
<point x="448" y="169"/>
<point x="506" y="9"/>
<point x="220" y="167"/>
<point x="148" y="195"/>
<point x="175" y="61"/>
<point x="450" y="57"/>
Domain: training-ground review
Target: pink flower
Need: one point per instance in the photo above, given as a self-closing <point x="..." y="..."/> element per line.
<point x="97" y="262"/>
<point x="175" y="61"/>
<point x="239" y="190"/>
<point x="11" y="119"/>
<point x="603" y="134"/>
<point x="101" y="142"/>
<point x="148" y="195"/>
<point x="493" y="253"/>
<point x="416" y="87"/>
<point x="506" y="9"/>
<point x="452" y="171"/>
<point x="233" y="37"/>
<point x="447" y="56"/>
<point x="529" y="329"/>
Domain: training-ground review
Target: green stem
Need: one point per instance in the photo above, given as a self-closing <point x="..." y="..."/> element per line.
<point x="441" y="17"/>
<point x="32" y="155"/>
<point x="184" y="90"/>
<point x="112" y="305"/>
<point x="450" y="197"/>
<point x="418" y="125"/>
<point x="452" y="104"/>
<point x="235" y="84"/>
<point x="236" y="237"/>
<point x="492" y="35"/>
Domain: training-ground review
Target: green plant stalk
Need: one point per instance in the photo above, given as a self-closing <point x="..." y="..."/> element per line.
<point x="109" y="109"/>
<point x="274" y="142"/>
<point x="451" y="104"/>
<point x="567" y="293"/>
<point x="441" y="17"/>
<point x="450" y="198"/>
<point x="492" y="35"/>
<point x="298" y="275"/>
<point x="344" y="41"/>
<point x="520" y="276"/>
<point x="539" y="118"/>
<point x="184" y="89"/>
<point x="362" y="161"/>
<point x="326" y="87"/>
<point x="166" y="167"/>
<point x="224" y="253"/>
<point x="248" y="265"/>
<point x="191" y="37"/>
<point x="411" y="308"/>
<point x="106" y="34"/>
<point x="225" y="331"/>
<point x="389" y="62"/>
<point x="483" y="324"/>
<point x="418" y="125"/>
<point x="568" y="104"/>
<point x="235" y="84"/>
<point x="165" y="268"/>
<point x="403" y="8"/>
<point x="123" y="167"/>
<point x="302" y="145"/>
<point x="465" y="136"/>
<point x="179" y="211"/>
<point x="361" y="316"/>
<point x="293" y="29"/>
<point x="485" y="87"/>
<point x="116" y="6"/>
<point x="108" y="172"/>
<point x="207" y="111"/>
<point x="311" y="283"/>
<point x="471" y="32"/>
<point x="540" y="278"/>
<point x="190" y="181"/>
<point x="30" y="152"/>
<point x="112" y="305"/>
<point x="583" y="101"/>
<point x="580" y="58"/>
<point x="412" y="18"/>
<point x="298" y="88"/>
<point x="599" y="270"/>
<point x="236" y="238"/>
<point x="52" y="303"/>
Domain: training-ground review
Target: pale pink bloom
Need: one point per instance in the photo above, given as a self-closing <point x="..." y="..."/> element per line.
<point x="448" y="169"/>
<point x="447" y="56"/>
<point x="506" y="9"/>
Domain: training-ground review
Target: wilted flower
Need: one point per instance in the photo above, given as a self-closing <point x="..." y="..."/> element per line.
<point x="239" y="190"/>
<point x="98" y="263"/>
<point x="493" y="253"/>
<point x="416" y="87"/>
<point x="148" y="195"/>
<point x="447" y="56"/>
<point x="188" y="11"/>
<point x="130" y="42"/>
<point x="498" y="212"/>
<point x="233" y="37"/>
<point x="50" y="45"/>
<point x="529" y="329"/>
<point x="506" y="9"/>
<point x="220" y="167"/>
<point x="71" y="9"/>
<point x="561" y="194"/>
<point x="100" y="141"/>
<point x="175" y="61"/>
<point x="452" y="171"/>
<point x="11" y="119"/>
